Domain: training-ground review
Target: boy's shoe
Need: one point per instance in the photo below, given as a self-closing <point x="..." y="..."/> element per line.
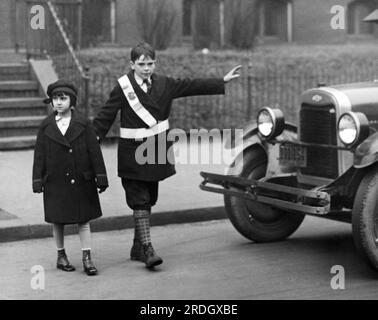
<point x="151" y="259"/>
<point x="136" y="252"/>
<point x="62" y="263"/>
<point x="89" y="267"/>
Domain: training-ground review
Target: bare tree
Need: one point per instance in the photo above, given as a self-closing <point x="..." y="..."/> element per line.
<point x="157" y="22"/>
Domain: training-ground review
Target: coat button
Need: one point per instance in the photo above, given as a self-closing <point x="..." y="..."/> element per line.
<point x="72" y="181"/>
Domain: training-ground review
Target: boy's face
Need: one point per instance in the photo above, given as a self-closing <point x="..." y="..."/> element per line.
<point x="61" y="103"/>
<point x="143" y="66"/>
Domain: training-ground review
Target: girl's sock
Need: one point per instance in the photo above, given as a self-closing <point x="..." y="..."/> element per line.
<point x="85" y="236"/>
<point x="58" y="233"/>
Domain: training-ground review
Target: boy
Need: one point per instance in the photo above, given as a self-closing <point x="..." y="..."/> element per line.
<point x="145" y="100"/>
<point x="68" y="168"/>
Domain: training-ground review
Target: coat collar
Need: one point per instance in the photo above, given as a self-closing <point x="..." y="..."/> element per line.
<point x="149" y="100"/>
<point x="76" y="127"/>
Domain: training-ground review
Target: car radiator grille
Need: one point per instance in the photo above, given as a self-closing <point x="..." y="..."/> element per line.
<point x="318" y="126"/>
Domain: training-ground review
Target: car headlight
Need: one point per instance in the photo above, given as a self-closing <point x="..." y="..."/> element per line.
<point x="353" y="127"/>
<point x="270" y="122"/>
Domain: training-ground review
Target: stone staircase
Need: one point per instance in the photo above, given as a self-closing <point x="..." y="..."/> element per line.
<point x="21" y="106"/>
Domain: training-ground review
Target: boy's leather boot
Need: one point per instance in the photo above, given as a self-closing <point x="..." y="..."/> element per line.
<point x="151" y="259"/>
<point x="88" y="265"/>
<point x="147" y="253"/>
<point x="62" y="263"/>
<point x="137" y="252"/>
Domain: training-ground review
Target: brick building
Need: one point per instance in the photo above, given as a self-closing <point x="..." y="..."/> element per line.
<point x="209" y="22"/>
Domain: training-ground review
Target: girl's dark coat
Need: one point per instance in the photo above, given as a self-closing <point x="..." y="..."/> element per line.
<point x="69" y="168"/>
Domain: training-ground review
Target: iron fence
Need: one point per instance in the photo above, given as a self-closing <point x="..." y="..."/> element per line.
<point x="275" y="87"/>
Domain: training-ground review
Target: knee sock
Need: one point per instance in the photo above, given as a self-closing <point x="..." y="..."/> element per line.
<point x="85" y="236"/>
<point x="136" y="235"/>
<point x="58" y="232"/>
<point x="142" y="225"/>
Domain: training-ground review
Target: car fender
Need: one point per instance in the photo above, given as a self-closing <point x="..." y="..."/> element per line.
<point x="249" y="137"/>
<point x="366" y="153"/>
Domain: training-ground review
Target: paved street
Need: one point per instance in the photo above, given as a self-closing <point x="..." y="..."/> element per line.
<point x="207" y="260"/>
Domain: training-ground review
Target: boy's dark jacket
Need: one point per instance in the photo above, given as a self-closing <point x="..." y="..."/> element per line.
<point x="158" y="103"/>
<point x="68" y="168"/>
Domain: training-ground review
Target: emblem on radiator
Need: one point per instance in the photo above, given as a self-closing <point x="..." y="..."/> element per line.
<point x="316" y="98"/>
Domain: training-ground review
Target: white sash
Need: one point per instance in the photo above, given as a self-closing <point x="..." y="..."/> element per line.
<point x="134" y="102"/>
<point x="139" y="133"/>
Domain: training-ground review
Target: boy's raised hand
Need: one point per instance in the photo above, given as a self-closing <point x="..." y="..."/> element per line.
<point x="232" y="74"/>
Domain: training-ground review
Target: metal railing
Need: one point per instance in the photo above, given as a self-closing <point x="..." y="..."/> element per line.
<point x="274" y="87"/>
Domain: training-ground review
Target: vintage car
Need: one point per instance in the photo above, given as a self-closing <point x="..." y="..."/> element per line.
<point x="327" y="166"/>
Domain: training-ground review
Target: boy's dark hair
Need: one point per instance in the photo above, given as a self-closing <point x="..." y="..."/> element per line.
<point x="140" y="49"/>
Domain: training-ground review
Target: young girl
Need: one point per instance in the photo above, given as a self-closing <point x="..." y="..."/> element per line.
<point x="68" y="168"/>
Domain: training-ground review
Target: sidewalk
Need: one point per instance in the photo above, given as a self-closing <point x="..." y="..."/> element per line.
<point x="180" y="198"/>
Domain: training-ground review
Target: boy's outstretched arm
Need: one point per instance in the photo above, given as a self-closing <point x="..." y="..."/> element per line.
<point x="200" y="86"/>
<point x="232" y="74"/>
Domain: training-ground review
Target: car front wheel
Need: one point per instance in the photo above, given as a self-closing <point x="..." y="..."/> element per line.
<point x="365" y="218"/>
<point x="256" y="221"/>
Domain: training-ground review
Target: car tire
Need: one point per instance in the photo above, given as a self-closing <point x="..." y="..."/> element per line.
<point x="365" y="218"/>
<point x="255" y="221"/>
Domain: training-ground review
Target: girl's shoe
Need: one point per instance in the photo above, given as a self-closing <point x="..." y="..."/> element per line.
<point x="62" y="263"/>
<point x="89" y="267"/>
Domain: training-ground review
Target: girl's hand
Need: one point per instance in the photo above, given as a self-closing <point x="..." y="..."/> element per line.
<point x="232" y="74"/>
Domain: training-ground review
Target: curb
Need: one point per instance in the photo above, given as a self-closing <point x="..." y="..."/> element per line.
<point x="37" y="231"/>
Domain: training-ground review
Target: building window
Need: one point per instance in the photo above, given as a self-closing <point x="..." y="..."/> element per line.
<point x="187" y="18"/>
<point x="273" y="19"/>
<point x="357" y="11"/>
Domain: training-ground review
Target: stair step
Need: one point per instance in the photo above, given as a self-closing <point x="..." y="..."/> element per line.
<point x="14" y="67"/>
<point x="18" y="142"/>
<point x="17" y="107"/>
<point x="18" y="85"/>
<point x="21" y="102"/>
<point x="18" y="88"/>
<point x="14" y="71"/>
<point x="32" y="121"/>
<point x="20" y="126"/>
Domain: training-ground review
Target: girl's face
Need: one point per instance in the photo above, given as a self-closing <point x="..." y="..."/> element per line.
<point x="144" y="66"/>
<point x="61" y="103"/>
